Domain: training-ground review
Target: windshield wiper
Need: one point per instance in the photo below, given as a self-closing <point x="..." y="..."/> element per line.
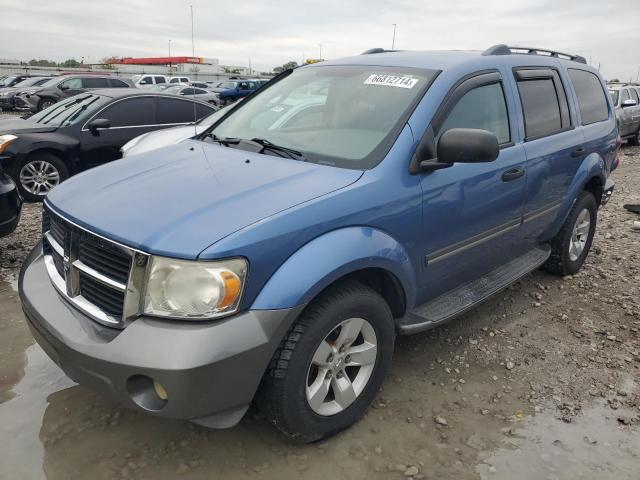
<point x="289" y="152"/>
<point x="66" y="107"/>
<point x="75" y="115"/>
<point x="226" y="141"/>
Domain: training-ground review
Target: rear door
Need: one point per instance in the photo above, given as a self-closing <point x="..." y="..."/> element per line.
<point x="554" y="147"/>
<point x="129" y="118"/>
<point x="472" y="211"/>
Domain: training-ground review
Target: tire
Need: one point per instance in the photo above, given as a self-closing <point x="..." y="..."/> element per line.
<point x="566" y="258"/>
<point x="228" y="101"/>
<point x="283" y="394"/>
<point x="45" y="103"/>
<point x="38" y="174"/>
<point x="635" y="139"/>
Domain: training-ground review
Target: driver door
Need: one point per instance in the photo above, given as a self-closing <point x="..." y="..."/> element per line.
<point x="472" y="211"/>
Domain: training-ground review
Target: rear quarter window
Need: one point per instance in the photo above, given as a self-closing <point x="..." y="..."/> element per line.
<point x="592" y="101"/>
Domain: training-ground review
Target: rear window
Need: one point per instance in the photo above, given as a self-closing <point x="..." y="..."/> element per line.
<point x="591" y="96"/>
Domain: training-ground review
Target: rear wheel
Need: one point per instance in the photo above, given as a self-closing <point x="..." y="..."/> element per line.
<point x="635" y="139"/>
<point x="570" y="247"/>
<point x="330" y="365"/>
<point x="45" y="103"/>
<point x="38" y="174"/>
<point x="228" y="101"/>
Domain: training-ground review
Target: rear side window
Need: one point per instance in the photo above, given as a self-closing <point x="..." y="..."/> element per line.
<point x="131" y="112"/>
<point x="160" y="80"/>
<point x="544" y="102"/>
<point x="188" y="91"/>
<point x="95" y="83"/>
<point x="115" y="83"/>
<point x="174" y="110"/>
<point x="634" y="94"/>
<point x="591" y="97"/>
<point x="484" y="108"/>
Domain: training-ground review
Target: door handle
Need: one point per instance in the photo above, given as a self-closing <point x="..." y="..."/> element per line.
<point x="578" y="152"/>
<point x="512" y="174"/>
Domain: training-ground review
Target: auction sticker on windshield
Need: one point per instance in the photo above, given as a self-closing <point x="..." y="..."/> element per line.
<point x="391" y="81"/>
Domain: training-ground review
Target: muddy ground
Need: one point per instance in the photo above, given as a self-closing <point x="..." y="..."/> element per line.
<point x="541" y="382"/>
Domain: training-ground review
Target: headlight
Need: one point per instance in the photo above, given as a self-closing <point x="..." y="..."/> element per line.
<point x="5" y="141"/>
<point x="194" y="290"/>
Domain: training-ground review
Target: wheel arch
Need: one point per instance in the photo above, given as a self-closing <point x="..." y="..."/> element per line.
<point x="361" y="253"/>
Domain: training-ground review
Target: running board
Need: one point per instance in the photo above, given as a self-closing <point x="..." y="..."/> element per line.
<point x="457" y="301"/>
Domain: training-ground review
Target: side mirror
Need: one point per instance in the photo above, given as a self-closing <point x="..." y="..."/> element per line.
<point x="98" y="124"/>
<point x="630" y="102"/>
<point x="463" y="145"/>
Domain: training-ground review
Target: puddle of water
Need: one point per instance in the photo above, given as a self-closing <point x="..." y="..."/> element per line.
<point x="21" y="417"/>
<point x="594" y="445"/>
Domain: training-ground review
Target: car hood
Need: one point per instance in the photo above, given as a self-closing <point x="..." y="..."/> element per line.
<point x="18" y="125"/>
<point x="179" y="200"/>
<point x="162" y="138"/>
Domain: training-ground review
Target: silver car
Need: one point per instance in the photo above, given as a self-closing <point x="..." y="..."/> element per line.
<point x="626" y="100"/>
<point x="197" y="93"/>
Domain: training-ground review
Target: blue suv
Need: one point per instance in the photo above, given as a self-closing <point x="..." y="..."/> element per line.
<point x="274" y="257"/>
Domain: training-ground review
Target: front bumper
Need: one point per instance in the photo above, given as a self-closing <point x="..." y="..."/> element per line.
<point x="10" y="205"/>
<point x="210" y="370"/>
<point x="26" y="102"/>
<point x="7" y="103"/>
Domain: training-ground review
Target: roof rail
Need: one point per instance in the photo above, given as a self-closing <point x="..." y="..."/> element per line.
<point x="371" y="51"/>
<point x="502" y="49"/>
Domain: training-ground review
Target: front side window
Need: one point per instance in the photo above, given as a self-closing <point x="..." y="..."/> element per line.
<point x="483" y="107"/>
<point x="146" y="81"/>
<point x="540" y="106"/>
<point x="360" y="111"/>
<point x="591" y="97"/>
<point x="130" y="112"/>
<point x="71" y="83"/>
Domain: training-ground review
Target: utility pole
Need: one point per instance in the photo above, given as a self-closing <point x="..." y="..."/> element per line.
<point x="169" y="55"/>
<point x="393" y="42"/>
<point x="320" y="45"/>
<point x="193" y="48"/>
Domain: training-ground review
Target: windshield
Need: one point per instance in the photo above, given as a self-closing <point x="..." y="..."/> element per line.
<point x="68" y="112"/>
<point x="347" y="116"/>
<point x="7" y="81"/>
<point x="614" y="96"/>
<point x="31" y="82"/>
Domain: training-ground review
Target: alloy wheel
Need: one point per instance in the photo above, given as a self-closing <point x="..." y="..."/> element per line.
<point x="580" y="234"/>
<point x="38" y="177"/>
<point x="341" y="367"/>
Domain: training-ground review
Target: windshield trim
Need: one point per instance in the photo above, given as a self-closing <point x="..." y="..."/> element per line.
<point x="378" y="154"/>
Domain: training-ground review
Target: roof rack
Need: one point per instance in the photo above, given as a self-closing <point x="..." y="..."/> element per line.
<point x="371" y="51"/>
<point x="502" y="49"/>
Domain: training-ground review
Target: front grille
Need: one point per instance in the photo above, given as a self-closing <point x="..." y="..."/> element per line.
<point x="92" y="272"/>
<point x="103" y="297"/>
<point x="107" y="260"/>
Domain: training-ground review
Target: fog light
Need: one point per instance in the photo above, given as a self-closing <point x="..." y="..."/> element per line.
<point x="160" y="391"/>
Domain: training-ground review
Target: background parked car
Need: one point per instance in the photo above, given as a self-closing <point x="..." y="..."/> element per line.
<point x="84" y="131"/>
<point x="10" y="202"/>
<point x="198" y="93"/>
<point x="149" y="80"/>
<point x="178" y="79"/>
<point x="65" y="87"/>
<point x="232" y="90"/>
<point x="8" y="95"/>
<point x="12" y="80"/>
<point x="626" y="100"/>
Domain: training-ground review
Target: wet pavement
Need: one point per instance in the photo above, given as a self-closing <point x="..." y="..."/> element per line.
<point x="541" y="382"/>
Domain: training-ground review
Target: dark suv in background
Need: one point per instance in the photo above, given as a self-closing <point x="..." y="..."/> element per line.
<point x="63" y="87"/>
<point x="8" y="94"/>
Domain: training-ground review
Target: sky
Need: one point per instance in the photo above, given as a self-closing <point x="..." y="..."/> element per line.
<point x="270" y="33"/>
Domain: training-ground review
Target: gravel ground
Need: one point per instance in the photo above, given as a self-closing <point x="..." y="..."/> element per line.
<point x="540" y="382"/>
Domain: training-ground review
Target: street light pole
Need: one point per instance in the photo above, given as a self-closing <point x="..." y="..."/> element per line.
<point x="169" y="56"/>
<point x="393" y="42"/>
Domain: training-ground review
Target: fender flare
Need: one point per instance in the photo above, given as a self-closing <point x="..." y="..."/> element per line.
<point x="592" y="166"/>
<point x="331" y="256"/>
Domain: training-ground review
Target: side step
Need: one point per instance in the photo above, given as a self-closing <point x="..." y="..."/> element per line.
<point x="459" y="300"/>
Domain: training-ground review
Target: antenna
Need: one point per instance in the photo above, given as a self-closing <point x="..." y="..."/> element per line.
<point x="193" y="96"/>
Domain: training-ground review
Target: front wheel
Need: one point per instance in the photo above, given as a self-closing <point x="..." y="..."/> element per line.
<point x="330" y="365"/>
<point x="45" y="103"/>
<point x="570" y="247"/>
<point x="38" y="174"/>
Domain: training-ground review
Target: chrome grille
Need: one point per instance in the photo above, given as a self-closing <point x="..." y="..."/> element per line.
<point x="100" y="277"/>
